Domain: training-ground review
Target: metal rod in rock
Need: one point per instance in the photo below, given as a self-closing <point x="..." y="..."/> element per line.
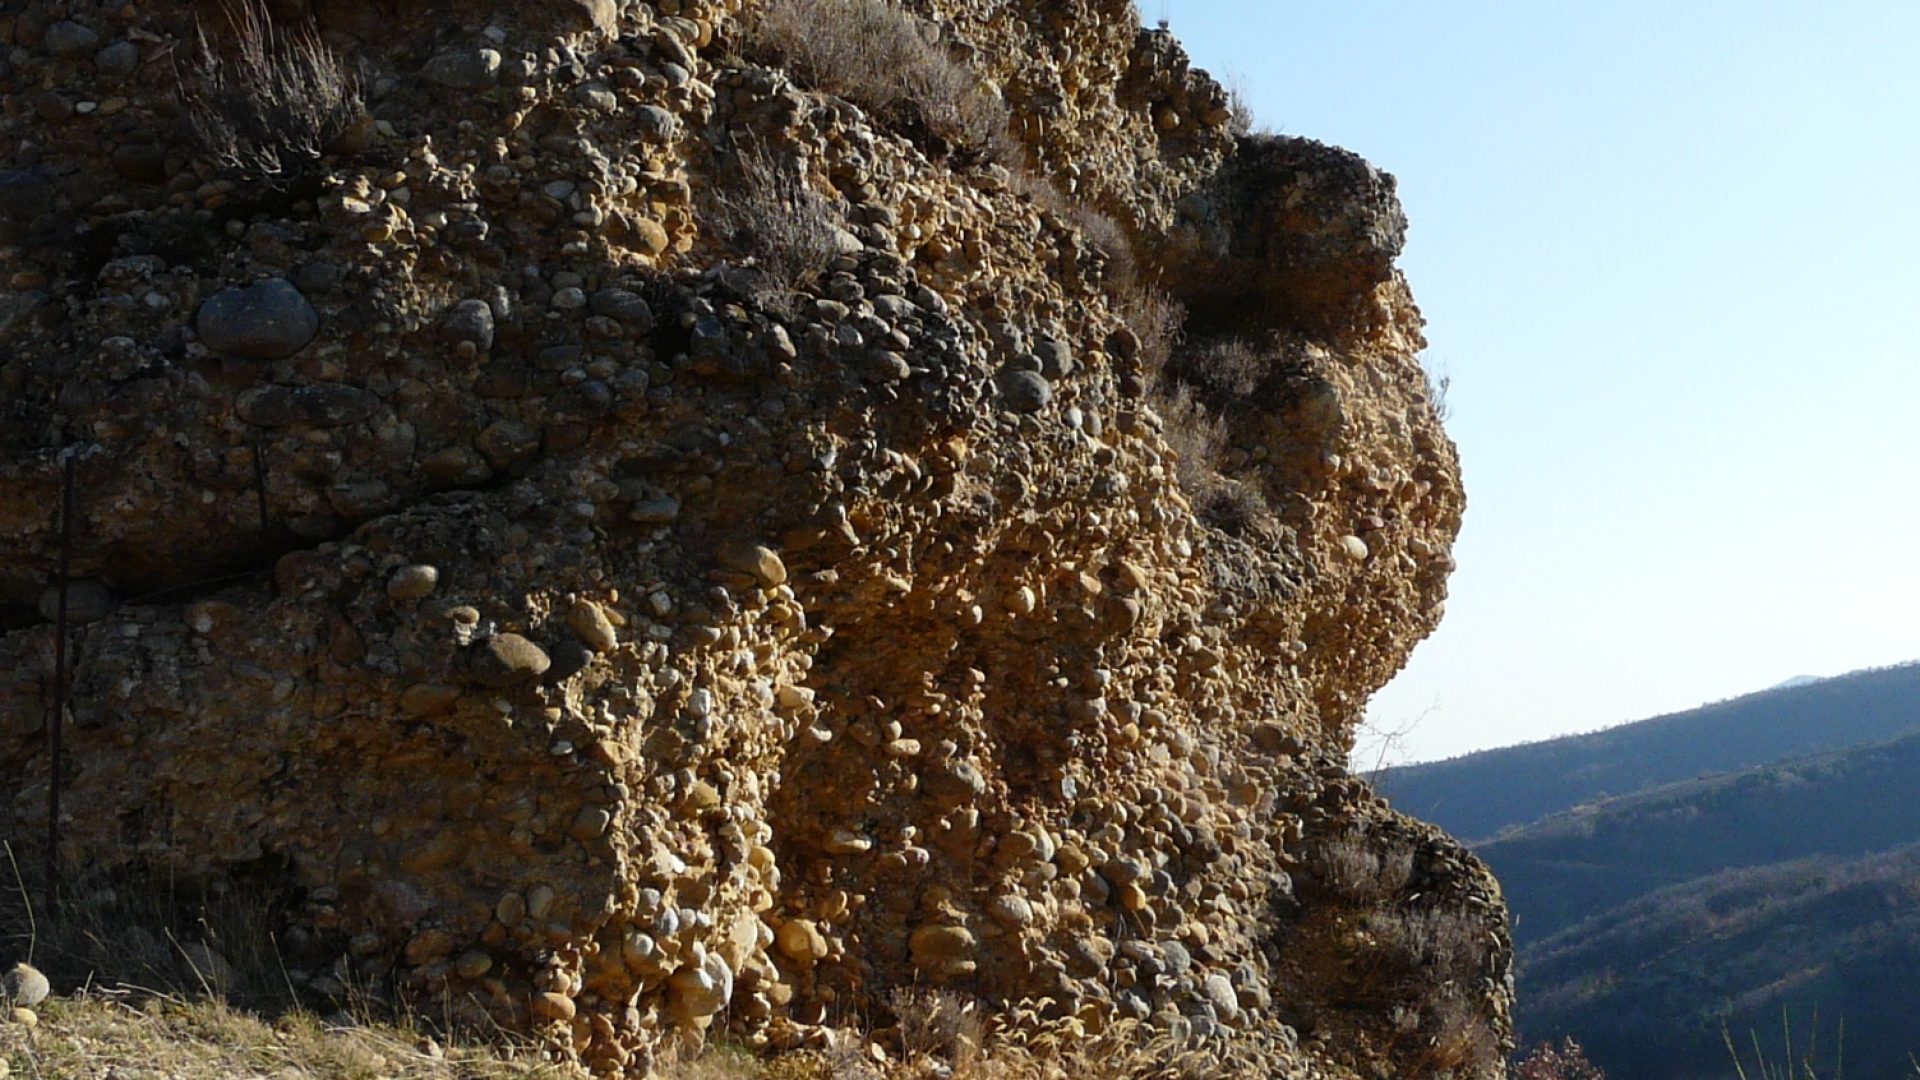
<point x="57" y="722"/>
<point x="260" y="486"/>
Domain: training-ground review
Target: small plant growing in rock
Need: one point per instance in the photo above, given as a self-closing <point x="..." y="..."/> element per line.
<point x="1189" y="392"/>
<point x="773" y="214"/>
<point x="1564" y="1062"/>
<point x="1240" y="119"/>
<point x="936" y="1024"/>
<point x="882" y="58"/>
<point x="272" y="105"/>
<point x="1380" y="933"/>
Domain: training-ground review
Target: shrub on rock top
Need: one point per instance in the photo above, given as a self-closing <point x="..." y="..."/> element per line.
<point x="272" y="107"/>
<point x="880" y="58"/>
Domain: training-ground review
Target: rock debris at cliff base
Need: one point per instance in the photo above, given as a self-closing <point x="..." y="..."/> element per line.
<point x="638" y="546"/>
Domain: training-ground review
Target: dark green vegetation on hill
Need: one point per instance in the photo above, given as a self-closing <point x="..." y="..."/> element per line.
<point x="1763" y="857"/>
<point x="1647" y="986"/>
<point x="1582" y="863"/>
<point x="1478" y="795"/>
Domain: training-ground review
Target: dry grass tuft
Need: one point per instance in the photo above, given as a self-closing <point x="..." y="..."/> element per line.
<point x="1155" y="320"/>
<point x="1240" y="118"/>
<point x="1199" y="436"/>
<point x="133" y="1037"/>
<point x="1363" y="871"/>
<point x="883" y="59"/>
<point x="148" y="930"/>
<point x="271" y="109"/>
<point x="775" y="215"/>
<point x="1189" y="386"/>
<point x="1127" y="1050"/>
<point x="1564" y="1062"/>
<point x="1118" y="271"/>
<point x="1374" y="939"/>
<point x="1193" y="393"/>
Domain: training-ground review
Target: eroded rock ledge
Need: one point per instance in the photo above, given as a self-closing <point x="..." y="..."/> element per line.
<point x="633" y="646"/>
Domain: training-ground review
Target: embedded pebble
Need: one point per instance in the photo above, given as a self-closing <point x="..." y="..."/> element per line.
<point x="1220" y="994"/>
<point x="413" y="582"/>
<point x="468" y="322"/>
<point x="758" y="560"/>
<point x="848" y="842"/>
<point x="69" y="40"/>
<point x="117" y="59"/>
<point x="504" y="660"/>
<point x="1011" y="909"/>
<point x="1024" y="391"/>
<point x="590" y="624"/>
<point x="266" y="320"/>
<point x="464" y="69"/>
<point x="801" y="941"/>
<point x="624" y="307"/>
<point x="24" y="986"/>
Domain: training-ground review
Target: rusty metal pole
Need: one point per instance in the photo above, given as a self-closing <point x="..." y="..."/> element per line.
<point x="260" y="487"/>
<point x="57" y="722"/>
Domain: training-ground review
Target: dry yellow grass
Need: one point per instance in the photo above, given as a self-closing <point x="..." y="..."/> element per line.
<point x="109" y="937"/>
<point x="122" y="1036"/>
<point x="885" y="60"/>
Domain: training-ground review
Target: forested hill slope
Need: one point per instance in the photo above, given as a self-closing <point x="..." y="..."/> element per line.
<point x="1572" y="866"/>
<point x="1479" y="795"/>
<point x="1828" y="944"/>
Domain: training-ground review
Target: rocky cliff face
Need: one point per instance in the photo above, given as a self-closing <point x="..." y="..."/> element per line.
<point x="635" y="538"/>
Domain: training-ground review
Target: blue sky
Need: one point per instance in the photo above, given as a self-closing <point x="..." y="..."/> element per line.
<point x="1667" y="255"/>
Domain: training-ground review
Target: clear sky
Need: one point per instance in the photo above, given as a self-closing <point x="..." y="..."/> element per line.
<point x="1667" y="252"/>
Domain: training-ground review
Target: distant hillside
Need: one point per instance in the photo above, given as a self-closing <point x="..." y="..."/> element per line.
<point x="1575" y="865"/>
<point x="1477" y="796"/>
<point x="1646" y="987"/>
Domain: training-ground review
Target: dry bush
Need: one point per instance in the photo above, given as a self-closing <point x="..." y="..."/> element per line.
<point x="157" y="977"/>
<point x="1422" y="966"/>
<point x="934" y="1023"/>
<point x="1439" y="381"/>
<point x="1198" y="436"/>
<point x="1228" y="367"/>
<point x="1564" y="1062"/>
<point x="1371" y="940"/>
<point x="1434" y="939"/>
<point x="1195" y="385"/>
<point x="774" y="214"/>
<point x="271" y="109"/>
<point x="1364" y="871"/>
<point x="1155" y="319"/>
<point x="1126" y="1050"/>
<point x="1456" y="1041"/>
<point x="1119" y="273"/>
<point x="1240" y="119"/>
<point x="880" y="57"/>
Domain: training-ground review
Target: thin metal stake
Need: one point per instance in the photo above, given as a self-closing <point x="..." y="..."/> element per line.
<point x="260" y="486"/>
<point x="56" y="723"/>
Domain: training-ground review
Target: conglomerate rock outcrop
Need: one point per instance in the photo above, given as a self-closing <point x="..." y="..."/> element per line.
<point x="605" y="626"/>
